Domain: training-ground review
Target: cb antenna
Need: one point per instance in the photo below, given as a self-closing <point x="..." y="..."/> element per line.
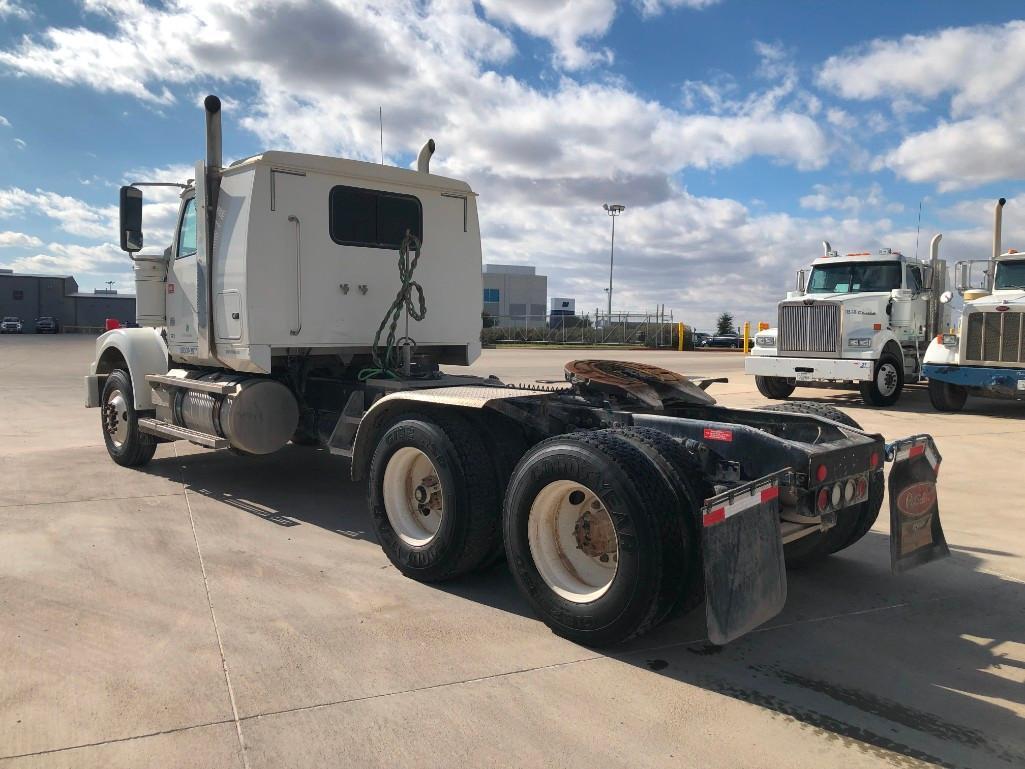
<point x="380" y="122"/>
<point x="919" y="230"/>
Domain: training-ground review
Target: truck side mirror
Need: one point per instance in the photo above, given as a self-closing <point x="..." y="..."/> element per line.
<point x="802" y="280"/>
<point x="963" y="276"/>
<point x="131" y="219"/>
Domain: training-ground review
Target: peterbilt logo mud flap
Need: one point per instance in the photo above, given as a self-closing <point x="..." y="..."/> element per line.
<point x="742" y="551"/>
<point x="916" y="536"/>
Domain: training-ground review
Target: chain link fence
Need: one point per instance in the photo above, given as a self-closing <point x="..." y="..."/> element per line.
<point x="658" y="330"/>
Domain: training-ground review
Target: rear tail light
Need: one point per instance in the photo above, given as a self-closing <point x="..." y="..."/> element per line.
<point x="820" y="473"/>
<point x="873" y="461"/>
<point x="823" y="500"/>
<point x="849" y="491"/>
<point x="836" y="497"/>
<point x="861" y="488"/>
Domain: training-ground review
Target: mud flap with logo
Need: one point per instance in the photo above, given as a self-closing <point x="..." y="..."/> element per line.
<point x="916" y="536"/>
<point x="742" y="551"/>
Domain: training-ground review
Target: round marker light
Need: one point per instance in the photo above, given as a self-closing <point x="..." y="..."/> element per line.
<point x="821" y="473"/>
<point x="873" y="461"/>
<point x="823" y="500"/>
<point x="837" y="494"/>
<point x="861" y="488"/>
<point x="849" y="491"/>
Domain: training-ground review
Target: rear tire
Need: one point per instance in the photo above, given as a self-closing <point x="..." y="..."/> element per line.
<point x="576" y="499"/>
<point x="814" y="409"/>
<point x="887" y="382"/>
<point x="947" y="397"/>
<point x="435" y="503"/>
<point x="774" y="387"/>
<point x="126" y="444"/>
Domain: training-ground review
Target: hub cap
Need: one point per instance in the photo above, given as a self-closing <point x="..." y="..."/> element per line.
<point x="413" y="496"/>
<point x="115" y="417"/>
<point x="573" y="541"/>
<point x="886" y="379"/>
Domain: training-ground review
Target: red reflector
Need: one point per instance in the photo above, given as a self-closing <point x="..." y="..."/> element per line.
<point x="873" y="461"/>
<point x="877" y="326"/>
<point x="714" y="516"/>
<point x="860" y="488"/>
<point x="821" y="473"/>
<point x="823" y="500"/>
<point x="918" y="448"/>
<point x="770" y="494"/>
<point x="718" y="435"/>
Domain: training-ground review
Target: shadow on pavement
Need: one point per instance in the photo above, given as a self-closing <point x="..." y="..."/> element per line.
<point x="929" y="666"/>
<point x="914" y="400"/>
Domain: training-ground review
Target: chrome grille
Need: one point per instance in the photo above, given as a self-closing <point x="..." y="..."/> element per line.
<point x="995" y="336"/>
<point x="809" y="327"/>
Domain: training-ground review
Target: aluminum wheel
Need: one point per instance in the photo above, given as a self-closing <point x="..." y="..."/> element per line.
<point x="887" y="379"/>
<point x="412" y="496"/>
<point x="115" y="417"/>
<point x="573" y="541"/>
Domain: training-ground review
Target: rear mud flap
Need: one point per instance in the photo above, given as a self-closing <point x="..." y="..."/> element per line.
<point x="916" y="536"/>
<point x="742" y="552"/>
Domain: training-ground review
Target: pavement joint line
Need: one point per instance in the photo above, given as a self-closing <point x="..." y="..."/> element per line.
<point x="213" y="618"/>
<point x="90" y="499"/>
<point x="115" y="740"/>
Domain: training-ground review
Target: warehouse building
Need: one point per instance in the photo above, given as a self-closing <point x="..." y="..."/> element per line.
<point x="515" y="294"/>
<point x="35" y="296"/>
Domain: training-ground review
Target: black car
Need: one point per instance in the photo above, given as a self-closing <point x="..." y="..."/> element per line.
<point x="729" y="339"/>
<point x="47" y="325"/>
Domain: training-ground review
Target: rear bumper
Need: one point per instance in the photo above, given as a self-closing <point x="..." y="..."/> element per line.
<point x="995" y="382"/>
<point x="810" y="369"/>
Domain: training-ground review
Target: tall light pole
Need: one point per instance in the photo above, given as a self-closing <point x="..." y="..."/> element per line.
<point x="613" y="210"/>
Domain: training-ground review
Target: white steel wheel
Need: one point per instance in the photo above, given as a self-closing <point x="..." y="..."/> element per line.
<point x="887" y="379"/>
<point x="412" y="496"/>
<point x="115" y="417"/>
<point x="573" y="541"/>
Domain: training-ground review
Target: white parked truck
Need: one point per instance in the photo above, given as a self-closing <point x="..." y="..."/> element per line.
<point x="986" y="355"/>
<point x="311" y="300"/>
<point x="864" y="319"/>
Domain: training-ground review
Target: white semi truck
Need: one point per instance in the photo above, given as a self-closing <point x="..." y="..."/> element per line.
<point x="986" y="355"/>
<point x="863" y="319"/>
<point x="311" y="300"/>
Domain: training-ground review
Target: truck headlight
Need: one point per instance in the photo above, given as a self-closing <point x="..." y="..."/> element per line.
<point x="950" y="340"/>
<point x="859" y="341"/>
<point x="765" y="341"/>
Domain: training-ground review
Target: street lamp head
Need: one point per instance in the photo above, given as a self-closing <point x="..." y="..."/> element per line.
<point x="613" y="208"/>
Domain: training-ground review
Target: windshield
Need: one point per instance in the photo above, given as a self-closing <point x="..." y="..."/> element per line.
<point x="10" y="320"/>
<point x="854" y="277"/>
<point x="1010" y="275"/>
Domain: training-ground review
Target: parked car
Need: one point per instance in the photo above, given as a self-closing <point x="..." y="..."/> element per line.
<point x="10" y="325"/>
<point x="729" y="339"/>
<point x="47" y="325"/>
<point x="700" y="337"/>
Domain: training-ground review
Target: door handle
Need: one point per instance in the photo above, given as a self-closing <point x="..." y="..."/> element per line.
<point x="298" y="278"/>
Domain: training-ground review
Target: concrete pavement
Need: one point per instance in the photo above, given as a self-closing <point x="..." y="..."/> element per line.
<point x="215" y="610"/>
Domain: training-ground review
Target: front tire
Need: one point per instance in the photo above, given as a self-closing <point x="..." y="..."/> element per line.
<point x="887" y="382"/>
<point x="434" y="497"/>
<point x="774" y="387"/>
<point x="126" y="444"/>
<point x="593" y="537"/>
<point x="947" y="397"/>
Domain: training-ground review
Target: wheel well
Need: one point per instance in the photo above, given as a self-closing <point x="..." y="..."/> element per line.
<point x="895" y="350"/>
<point x="110" y="360"/>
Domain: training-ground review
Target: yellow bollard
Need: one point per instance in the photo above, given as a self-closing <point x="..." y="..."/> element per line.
<point x="679" y="331"/>
<point x="747" y="335"/>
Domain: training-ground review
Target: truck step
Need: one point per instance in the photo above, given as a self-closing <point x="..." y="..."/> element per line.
<point x="199" y="385"/>
<point x="165" y="430"/>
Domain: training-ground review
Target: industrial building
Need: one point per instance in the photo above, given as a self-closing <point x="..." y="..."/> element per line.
<point x="515" y="293"/>
<point x="35" y="296"/>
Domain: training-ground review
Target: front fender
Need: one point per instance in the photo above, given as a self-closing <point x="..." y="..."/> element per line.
<point x="143" y="350"/>
<point x="939" y="354"/>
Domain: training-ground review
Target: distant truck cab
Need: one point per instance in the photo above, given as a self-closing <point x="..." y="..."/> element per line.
<point x="862" y="319"/>
<point x="985" y="356"/>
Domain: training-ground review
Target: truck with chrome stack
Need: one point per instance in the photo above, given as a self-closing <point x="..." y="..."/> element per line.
<point x="312" y="300"/>
<point x="861" y="320"/>
<point x="985" y="356"/>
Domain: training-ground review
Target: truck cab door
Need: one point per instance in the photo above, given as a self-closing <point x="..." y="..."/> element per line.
<point x="182" y="283"/>
<point x="919" y="315"/>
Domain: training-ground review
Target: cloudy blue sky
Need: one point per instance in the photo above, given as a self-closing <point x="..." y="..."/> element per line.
<point x="738" y="134"/>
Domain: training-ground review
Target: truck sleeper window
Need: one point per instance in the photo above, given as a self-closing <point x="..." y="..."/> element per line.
<point x="373" y="219"/>
<point x="854" y="277"/>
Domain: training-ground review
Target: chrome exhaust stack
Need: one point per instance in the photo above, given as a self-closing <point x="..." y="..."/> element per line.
<point x="826" y="248"/>
<point x="423" y="160"/>
<point x="998" y="216"/>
